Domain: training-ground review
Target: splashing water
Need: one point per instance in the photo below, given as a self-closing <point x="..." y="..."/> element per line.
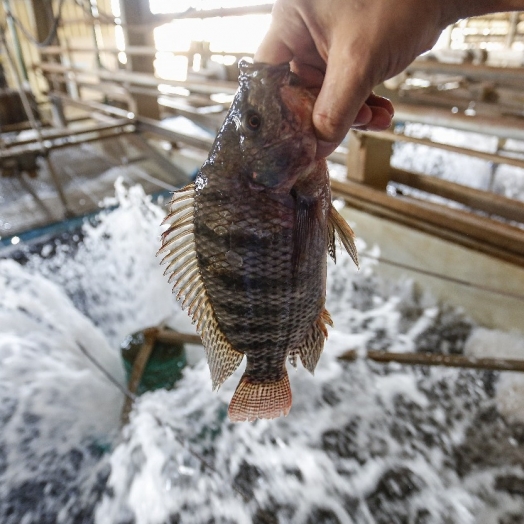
<point x="362" y="443"/>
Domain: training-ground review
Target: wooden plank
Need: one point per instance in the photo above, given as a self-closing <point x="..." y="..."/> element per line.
<point x="130" y="50"/>
<point x="146" y="125"/>
<point x="210" y="87"/>
<point x="475" y="232"/>
<point x="433" y="359"/>
<point x="490" y="203"/>
<point x="502" y="127"/>
<point x="471" y="71"/>
<point x="488" y="157"/>
<point x="219" y="12"/>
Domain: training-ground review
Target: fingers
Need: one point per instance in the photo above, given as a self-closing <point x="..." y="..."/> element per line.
<point x="378" y="115"/>
<point x="375" y="115"/>
<point x="364" y="116"/>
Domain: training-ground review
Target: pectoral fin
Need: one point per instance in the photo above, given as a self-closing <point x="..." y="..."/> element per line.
<point x="306" y="229"/>
<point x="336" y="223"/>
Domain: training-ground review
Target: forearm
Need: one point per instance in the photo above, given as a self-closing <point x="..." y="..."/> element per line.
<point x="468" y="8"/>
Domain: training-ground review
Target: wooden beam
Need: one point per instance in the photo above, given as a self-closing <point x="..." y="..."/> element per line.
<point x="471" y="71"/>
<point x="144" y="79"/>
<point x="502" y="127"/>
<point x="476" y="232"/>
<point x="219" y="12"/>
<point x="432" y="359"/>
<point x="137" y="372"/>
<point x="485" y="201"/>
<point x="488" y="157"/>
<point x="130" y="50"/>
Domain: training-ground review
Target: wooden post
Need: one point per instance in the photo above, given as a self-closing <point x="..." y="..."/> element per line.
<point x="43" y="24"/>
<point x="368" y="160"/>
<point x="139" y="366"/>
<point x="134" y="13"/>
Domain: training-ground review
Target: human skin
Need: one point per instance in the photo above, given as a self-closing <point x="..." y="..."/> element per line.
<point x="342" y="49"/>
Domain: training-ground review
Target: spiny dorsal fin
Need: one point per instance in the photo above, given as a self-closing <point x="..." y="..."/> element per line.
<point x="179" y="243"/>
<point x="337" y="223"/>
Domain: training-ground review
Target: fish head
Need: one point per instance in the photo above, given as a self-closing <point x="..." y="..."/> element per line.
<point x="272" y="116"/>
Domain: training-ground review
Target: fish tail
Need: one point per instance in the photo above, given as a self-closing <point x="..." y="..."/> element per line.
<point x="260" y="400"/>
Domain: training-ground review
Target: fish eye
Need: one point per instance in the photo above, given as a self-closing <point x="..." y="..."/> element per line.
<point x="252" y="121"/>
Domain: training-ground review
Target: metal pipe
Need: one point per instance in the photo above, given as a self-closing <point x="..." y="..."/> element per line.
<point x="71" y="132"/>
<point x="25" y="184"/>
<point x="14" y="152"/>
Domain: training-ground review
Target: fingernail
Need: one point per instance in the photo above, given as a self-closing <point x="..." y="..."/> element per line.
<point x="324" y="149"/>
<point x="364" y="116"/>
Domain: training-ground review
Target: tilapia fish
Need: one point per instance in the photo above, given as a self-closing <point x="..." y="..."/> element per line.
<point x="247" y="242"/>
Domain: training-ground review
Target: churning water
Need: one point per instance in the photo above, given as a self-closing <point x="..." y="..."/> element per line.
<point x="363" y="443"/>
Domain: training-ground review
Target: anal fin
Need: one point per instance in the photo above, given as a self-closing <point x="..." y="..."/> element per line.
<point x="222" y="359"/>
<point x="260" y="400"/>
<point x="337" y="223"/>
<point x="311" y="347"/>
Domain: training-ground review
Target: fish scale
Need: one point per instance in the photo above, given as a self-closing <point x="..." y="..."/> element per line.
<point x="248" y="242"/>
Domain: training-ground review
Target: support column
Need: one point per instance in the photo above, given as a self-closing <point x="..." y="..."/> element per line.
<point x="134" y="13"/>
<point x="43" y="24"/>
<point x="369" y="160"/>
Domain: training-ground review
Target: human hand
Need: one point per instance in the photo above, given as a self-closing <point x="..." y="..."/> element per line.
<point x="344" y="48"/>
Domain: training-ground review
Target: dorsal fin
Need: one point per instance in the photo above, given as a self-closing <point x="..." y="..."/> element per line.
<point x="179" y="243"/>
<point x="337" y="223"/>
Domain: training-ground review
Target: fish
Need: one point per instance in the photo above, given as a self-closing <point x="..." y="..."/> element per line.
<point x="247" y="242"/>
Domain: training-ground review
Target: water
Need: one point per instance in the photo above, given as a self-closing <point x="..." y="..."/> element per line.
<point x="363" y="443"/>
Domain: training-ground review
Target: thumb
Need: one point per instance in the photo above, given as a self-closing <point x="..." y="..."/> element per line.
<point x="343" y="93"/>
<point x="272" y="50"/>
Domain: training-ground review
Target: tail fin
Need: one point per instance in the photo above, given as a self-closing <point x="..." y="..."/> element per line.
<point x="262" y="400"/>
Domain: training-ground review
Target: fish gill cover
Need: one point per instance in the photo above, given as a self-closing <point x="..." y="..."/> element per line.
<point x="363" y="443"/>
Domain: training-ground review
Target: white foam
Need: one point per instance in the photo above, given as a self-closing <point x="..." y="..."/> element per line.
<point x="355" y="431"/>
